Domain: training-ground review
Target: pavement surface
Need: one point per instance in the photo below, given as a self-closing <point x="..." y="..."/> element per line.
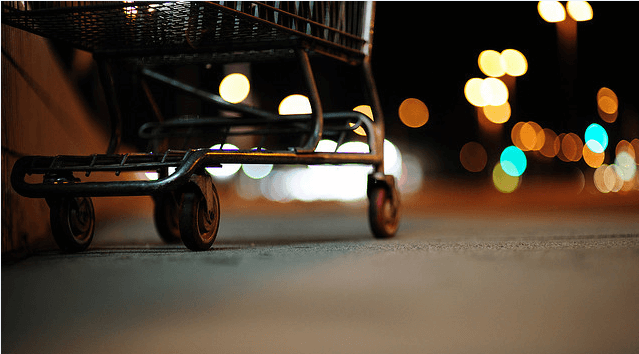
<point x="309" y="278"/>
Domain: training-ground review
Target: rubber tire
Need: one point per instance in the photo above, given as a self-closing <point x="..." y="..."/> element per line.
<point x="383" y="217"/>
<point x="197" y="230"/>
<point x="72" y="223"/>
<point x="166" y="217"/>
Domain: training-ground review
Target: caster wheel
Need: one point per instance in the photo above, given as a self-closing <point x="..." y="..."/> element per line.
<point x="199" y="223"/>
<point x="72" y="223"/>
<point x="166" y="216"/>
<point x="383" y="212"/>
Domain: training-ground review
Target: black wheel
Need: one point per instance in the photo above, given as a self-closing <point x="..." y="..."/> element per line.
<point x="166" y="215"/>
<point x="72" y="223"/>
<point x="198" y="223"/>
<point x="383" y="213"/>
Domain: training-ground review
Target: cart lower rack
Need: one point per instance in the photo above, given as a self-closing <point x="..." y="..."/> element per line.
<point x="187" y="205"/>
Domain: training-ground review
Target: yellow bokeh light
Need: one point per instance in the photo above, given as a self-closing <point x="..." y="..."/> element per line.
<point x="591" y="158"/>
<point x="413" y="113"/>
<point x="295" y="104"/>
<point x="234" y="88"/>
<point x="494" y="91"/>
<point x="473" y="156"/>
<point x="513" y="62"/>
<point x="498" y="114"/>
<point x="365" y="110"/>
<point x="551" y="11"/>
<point x="490" y="63"/>
<point x="472" y="91"/>
<point x="579" y="10"/>
<point x="504" y="182"/>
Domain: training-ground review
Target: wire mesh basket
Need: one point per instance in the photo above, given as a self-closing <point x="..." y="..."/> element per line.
<point x="162" y="28"/>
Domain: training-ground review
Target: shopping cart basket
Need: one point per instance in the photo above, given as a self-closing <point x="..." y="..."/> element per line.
<point x="146" y="34"/>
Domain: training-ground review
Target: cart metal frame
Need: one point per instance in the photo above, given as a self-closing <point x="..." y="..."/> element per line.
<point x="186" y="201"/>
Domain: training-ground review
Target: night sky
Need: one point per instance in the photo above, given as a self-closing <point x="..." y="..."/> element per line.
<point x="429" y="50"/>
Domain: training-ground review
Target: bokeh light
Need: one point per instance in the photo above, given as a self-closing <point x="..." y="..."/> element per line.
<point x="515" y="135"/>
<point x="591" y="158"/>
<point x="490" y="63"/>
<point x="551" y="146"/>
<point x="607" y="105"/>
<point x="497" y="114"/>
<point x="227" y="170"/>
<point x="473" y="156"/>
<point x="624" y="145"/>
<point x="472" y="91"/>
<point x="571" y="147"/>
<point x="531" y="137"/>
<point x="295" y="104"/>
<point x="635" y="146"/>
<point x="625" y="166"/>
<point x="413" y="113"/>
<point x="579" y="10"/>
<point x="551" y="11"/>
<point x="257" y="171"/>
<point x="234" y="88"/>
<point x="367" y="111"/>
<point x="606" y="179"/>
<point x="504" y="182"/>
<point x="494" y="92"/>
<point x="392" y="159"/>
<point x="326" y="145"/>
<point x="513" y="62"/>
<point x="513" y="161"/>
<point x="346" y="183"/>
<point x="596" y="138"/>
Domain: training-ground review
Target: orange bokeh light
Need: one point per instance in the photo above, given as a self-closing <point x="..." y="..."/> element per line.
<point x="549" y="148"/>
<point x="498" y="114"/>
<point x="473" y="156"/>
<point x="413" y="113"/>
<point x="367" y="111"/>
<point x="515" y="135"/>
<point x="572" y="147"/>
<point x="591" y="158"/>
<point x="607" y="105"/>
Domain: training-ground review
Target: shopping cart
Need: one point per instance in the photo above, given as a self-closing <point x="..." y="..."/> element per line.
<point x="144" y="35"/>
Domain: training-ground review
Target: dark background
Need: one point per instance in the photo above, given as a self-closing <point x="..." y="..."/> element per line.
<point x="429" y="50"/>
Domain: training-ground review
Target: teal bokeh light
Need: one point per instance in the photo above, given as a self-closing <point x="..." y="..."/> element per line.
<point x="596" y="138"/>
<point x="513" y="161"/>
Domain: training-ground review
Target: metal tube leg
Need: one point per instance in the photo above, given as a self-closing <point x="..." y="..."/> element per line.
<point x="378" y="124"/>
<point x="106" y="77"/>
<point x="317" y="116"/>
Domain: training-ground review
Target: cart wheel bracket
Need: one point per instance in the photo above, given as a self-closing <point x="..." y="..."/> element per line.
<point x="378" y="179"/>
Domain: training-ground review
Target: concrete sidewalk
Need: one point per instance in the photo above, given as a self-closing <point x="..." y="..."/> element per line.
<point x="548" y="281"/>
